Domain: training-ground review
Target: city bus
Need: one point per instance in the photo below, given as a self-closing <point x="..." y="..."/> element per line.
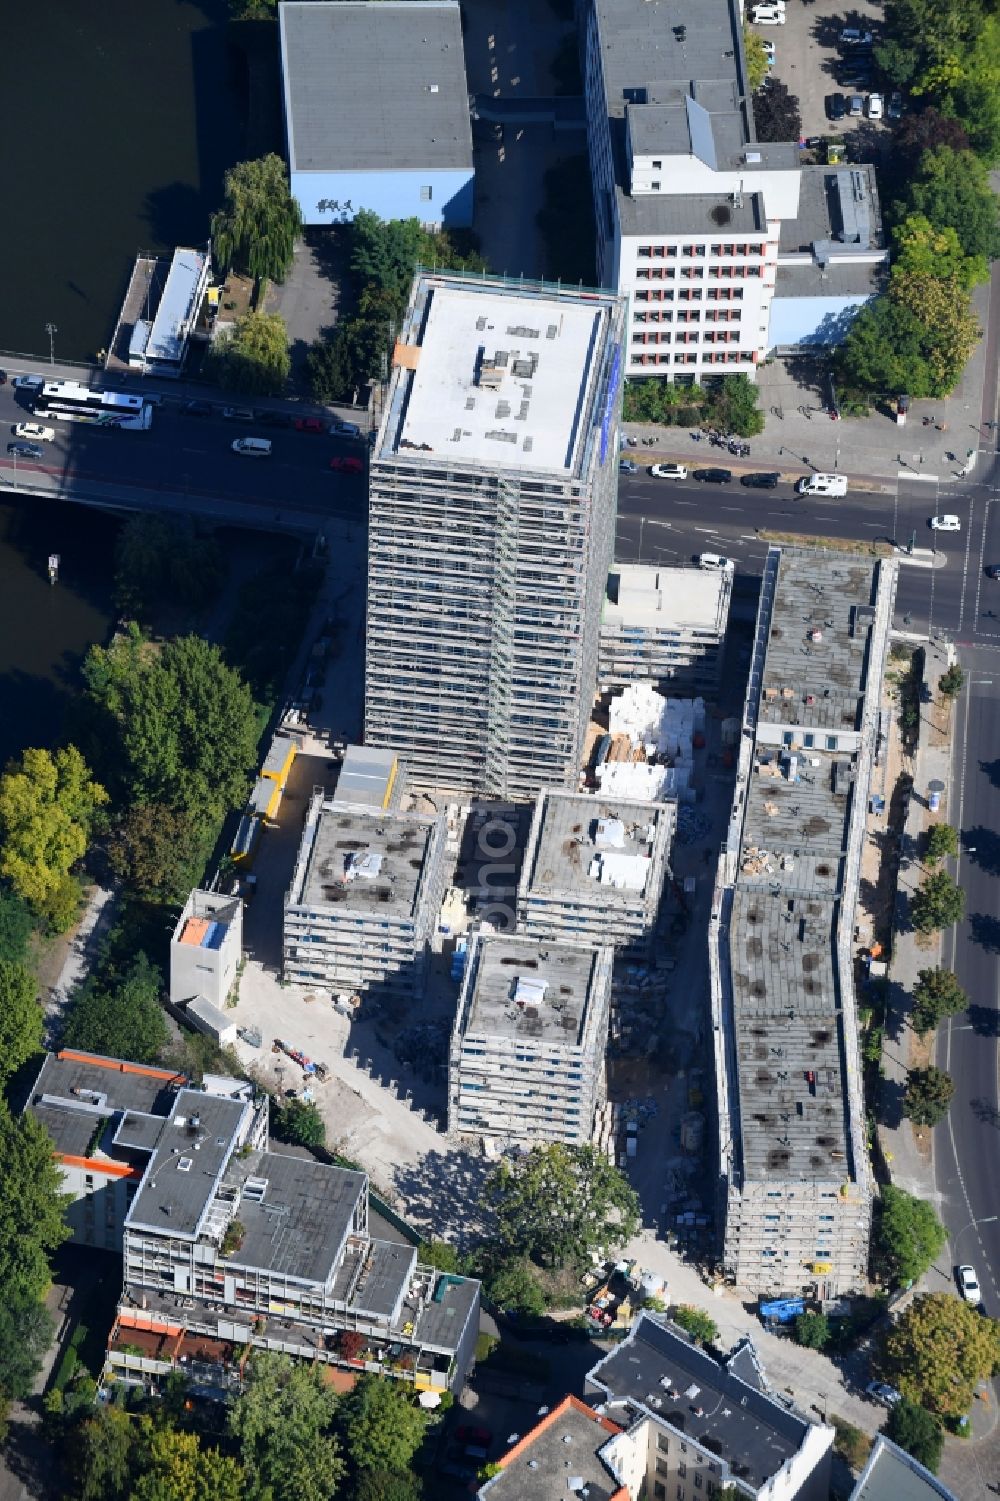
<point x="68" y="401"/>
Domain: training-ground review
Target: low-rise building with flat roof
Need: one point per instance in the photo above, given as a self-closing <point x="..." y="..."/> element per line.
<point x="370" y="778"/>
<point x="527" y="1047"/>
<point x="594" y="869"/>
<point x="377" y="110"/>
<point x="206" y="948"/>
<point x="561" y="1457"/>
<point x="229" y="1246"/>
<point x="365" y="896"/>
<point x="696" y="1424"/>
<point x="664" y="626"/>
<point x="796" y="1187"/>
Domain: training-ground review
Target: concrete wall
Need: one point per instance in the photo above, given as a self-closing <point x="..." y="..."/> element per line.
<point x="335" y="197"/>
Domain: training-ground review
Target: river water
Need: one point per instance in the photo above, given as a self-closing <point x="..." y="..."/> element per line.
<point x="120" y="119"/>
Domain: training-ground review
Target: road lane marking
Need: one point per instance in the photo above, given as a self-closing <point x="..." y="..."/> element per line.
<point x="965" y="565"/>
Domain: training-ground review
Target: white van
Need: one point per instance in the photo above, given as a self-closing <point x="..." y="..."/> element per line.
<point x="822" y="484"/>
<point x="257" y="448"/>
<point x="715" y="560"/>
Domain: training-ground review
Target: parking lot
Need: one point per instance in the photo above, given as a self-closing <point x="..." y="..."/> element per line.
<point x="808" y="58"/>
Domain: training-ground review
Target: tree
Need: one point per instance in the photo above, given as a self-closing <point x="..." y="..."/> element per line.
<point x="282" y="1425"/>
<point x="938" y="1350"/>
<point x="48" y="803"/>
<point x="937" y="903"/>
<point x="758" y="65"/>
<point x="952" y="189"/>
<point x="925" y="249"/>
<point x="440" y="1254"/>
<point x="175" y="725"/>
<point x="330" y="369"/>
<point x="381" y="1425"/>
<point x="561" y="1204"/>
<point x="513" y="1287"/>
<point x="253" y="358"/>
<point x="21" y="1024"/>
<point x="909" y="1237"/>
<point x="123" y="1020"/>
<point x="696" y="1322"/>
<point x="159" y="852"/>
<point x="952" y="681"/>
<point x="734" y="406"/>
<point x="812" y="1330"/>
<point x="917" y="1431"/>
<point x="884" y="351"/>
<point x="299" y="1121"/>
<point x="16" y="926"/>
<point x="942" y="842"/>
<point x="927" y="1095"/>
<point x="776" y="113"/>
<point x="160" y="558"/>
<point x="256" y="228"/>
<point x="386" y="1485"/>
<point x="101" y="1451"/>
<point x="26" y="1330"/>
<point x="177" y="1468"/>
<point x="926" y="130"/>
<point x="32" y="1206"/>
<point x="937" y="994"/>
<point x="951" y="333"/>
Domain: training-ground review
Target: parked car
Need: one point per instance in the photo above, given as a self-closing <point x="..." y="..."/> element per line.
<point x="876" y="107"/>
<point x="993" y="570"/>
<point x="34" y="430"/>
<point x="822" y="484"/>
<point x="770" y="52"/>
<point x="851" y="37"/>
<point x="856" y="107"/>
<point x="715" y="560"/>
<point x="196" y="409"/>
<point x="347" y="465"/>
<point x="346" y="429"/>
<point x="713" y="476"/>
<point x="254" y="448"/>
<point x="880" y="1391"/>
<point x="894" y="109"/>
<point x="239" y="414"/>
<point x="627" y="466"/>
<point x="968" y="1284"/>
<point x="760" y="481"/>
<point x="836" y="107"/>
<point x="669" y="471"/>
<point x="27" y="383"/>
<point x="769" y="14"/>
<point x="274" y="419"/>
<point x="310" y="425"/>
<point x="945" y="524"/>
<point x="474" y="1433"/>
<point x="24" y="450"/>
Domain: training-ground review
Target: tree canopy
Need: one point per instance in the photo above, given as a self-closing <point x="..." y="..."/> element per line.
<point x="32" y="1206"/>
<point x="177" y="1468"/>
<point x="381" y="1425"/>
<point x="948" y="55"/>
<point x="256" y="228"/>
<point x="177" y="725"/>
<point x="696" y="1322"/>
<point x="909" y="1237"/>
<point x="124" y="1019"/>
<point x="513" y="1286"/>
<point x="758" y="66"/>
<point x="937" y="903"/>
<point x="253" y="358"/>
<point x="561" y="1204"/>
<point x="160" y="559"/>
<point x="21" y="1023"/>
<point x="299" y="1121"/>
<point x="951" y="190"/>
<point x="942" y="842"/>
<point x="927" y="1095"/>
<point x="937" y="994"/>
<point x="282" y="1423"/>
<point x="16" y="926"/>
<point x="48" y="803"/>
<point x="159" y="852"/>
<point x="101" y="1453"/>
<point x="776" y="112"/>
<point x="812" y="1329"/>
<point x="26" y="1330"/>
<point x="927" y="249"/>
<point x="914" y="338"/>
<point x="917" y="1431"/>
<point x="938" y="1350"/>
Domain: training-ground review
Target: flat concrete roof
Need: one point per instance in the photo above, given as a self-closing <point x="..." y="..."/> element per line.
<point x="186" y="1165"/>
<point x="75" y="1093"/>
<point x="501" y="378"/>
<point x="559" y="1459"/>
<point x="365" y="861"/>
<point x="694" y="599"/>
<point x="367" y="777"/>
<point x="374" y="87"/>
<point x="646" y="48"/>
<point x="658" y="1368"/>
<point x="300" y="1225"/>
<point x="575" y="830"/>
<point x="525" y="988"/>
<point x="893" y="1475"/>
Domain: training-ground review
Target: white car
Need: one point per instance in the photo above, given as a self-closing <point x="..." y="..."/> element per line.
<point x="822" y="484"/>
<point x="945" y="524"/>
<point x="876" y="108"/>
<point x="34" y="430"/>
<point x="968" y="1284"/>
<point x="714" y="560"/>
<point x="669" y="471"/>
<point x="768" y="15"/>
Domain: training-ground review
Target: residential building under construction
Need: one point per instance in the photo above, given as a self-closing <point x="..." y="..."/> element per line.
<point x="527" y="1047"/>
<point x="665" y="626"/>
<point x="493" y="485"/>
<point x="594" y="869"/>
<point x="794" y="1172"/>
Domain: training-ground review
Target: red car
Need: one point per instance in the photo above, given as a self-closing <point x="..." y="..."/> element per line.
<point x="472" y="1433"/>
<point x="310" y="425"/>
<point x="347" y="465"/>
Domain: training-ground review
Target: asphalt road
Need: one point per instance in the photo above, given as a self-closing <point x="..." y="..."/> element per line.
<point x="192" y="456"/>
